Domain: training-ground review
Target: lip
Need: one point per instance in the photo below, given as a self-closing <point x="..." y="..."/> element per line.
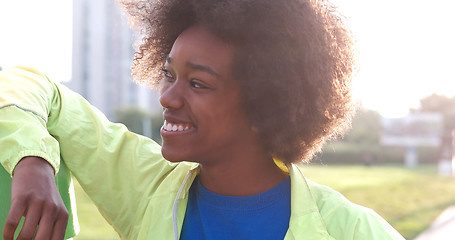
<point x="173" y="118"/>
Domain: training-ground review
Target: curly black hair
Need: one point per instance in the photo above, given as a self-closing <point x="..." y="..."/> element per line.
<point x="294" y="60"/>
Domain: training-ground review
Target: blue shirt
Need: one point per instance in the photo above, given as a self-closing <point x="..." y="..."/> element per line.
<point x="213" y="216"/>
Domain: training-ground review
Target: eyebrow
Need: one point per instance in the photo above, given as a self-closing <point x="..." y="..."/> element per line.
<point x="199" y="67"/>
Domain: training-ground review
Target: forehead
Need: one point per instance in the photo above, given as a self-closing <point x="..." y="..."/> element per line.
<point x="197" y="45"/>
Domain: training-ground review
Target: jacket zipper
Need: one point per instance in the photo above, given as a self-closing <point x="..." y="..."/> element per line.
<point x="175" y="206"/>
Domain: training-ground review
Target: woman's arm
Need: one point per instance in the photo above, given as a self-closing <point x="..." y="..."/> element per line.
<point x="115" y="167"/>
<point x="34" y="193"/>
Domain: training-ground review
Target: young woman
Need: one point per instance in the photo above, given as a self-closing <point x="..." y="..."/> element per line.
<point x="249" y="89"/>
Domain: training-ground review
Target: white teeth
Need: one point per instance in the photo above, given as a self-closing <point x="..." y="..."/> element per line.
<point x="175" y="127"/>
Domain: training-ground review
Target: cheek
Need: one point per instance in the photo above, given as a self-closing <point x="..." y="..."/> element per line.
<point x="162" y="87"/>
<point x="229" y="118"/>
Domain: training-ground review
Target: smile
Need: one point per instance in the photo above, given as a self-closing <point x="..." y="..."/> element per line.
<point x="177" y="127"/>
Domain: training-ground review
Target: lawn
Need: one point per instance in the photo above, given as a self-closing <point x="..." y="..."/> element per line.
<point x="408" y="199"/>
<point x="92" y="224"/>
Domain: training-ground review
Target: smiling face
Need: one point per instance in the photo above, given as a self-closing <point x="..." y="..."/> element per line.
<point x="204" y="120"/>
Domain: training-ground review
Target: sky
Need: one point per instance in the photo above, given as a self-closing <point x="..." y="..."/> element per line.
<point x="37" y="33"/>
<point x="407" y="51"/>
<point x="407" y="47"/>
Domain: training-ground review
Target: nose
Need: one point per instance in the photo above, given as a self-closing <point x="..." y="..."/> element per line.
<point x="171" y="95"/>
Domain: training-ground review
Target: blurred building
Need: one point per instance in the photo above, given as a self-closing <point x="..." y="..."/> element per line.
<point x="102" y="56"/>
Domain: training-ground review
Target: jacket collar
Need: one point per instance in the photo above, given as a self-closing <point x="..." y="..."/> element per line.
<point x="306" y="221"/>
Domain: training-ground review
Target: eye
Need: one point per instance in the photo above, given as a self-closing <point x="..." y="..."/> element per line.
<point x="197" y="84"/>
<point x="167" y="74"/>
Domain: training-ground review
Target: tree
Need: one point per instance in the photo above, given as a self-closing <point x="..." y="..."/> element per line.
<point x="366" y="128"/>
<point x="446" y="106"/>
<point x="440" y="104"/>
<point x="141" y="122"/>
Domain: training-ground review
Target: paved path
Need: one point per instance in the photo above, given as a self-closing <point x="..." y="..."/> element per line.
<point x="443" y="228"/>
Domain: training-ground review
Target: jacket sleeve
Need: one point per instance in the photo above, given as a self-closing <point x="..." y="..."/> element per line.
<point x="116" y="168"/>
<point x="347" y="220"/>
<point x="369" y="225"/>
<point x="23" y="121"/>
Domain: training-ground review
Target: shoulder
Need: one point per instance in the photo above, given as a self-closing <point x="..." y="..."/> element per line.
<point x="347" y="220"/>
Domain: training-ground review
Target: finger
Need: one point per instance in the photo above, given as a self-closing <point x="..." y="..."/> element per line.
<point x="32" y="218"/>
<point x="60" y="227"/>
<point x="49" y="223"/>
<point x="45" y="227"/>
<point x="15" y="214"/>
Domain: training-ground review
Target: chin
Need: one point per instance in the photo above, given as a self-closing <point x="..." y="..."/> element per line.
<point x="171" y="157"/>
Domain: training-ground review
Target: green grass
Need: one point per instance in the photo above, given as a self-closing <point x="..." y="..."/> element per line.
<point x="408" y="199"/>
<point x="93" y="226"/>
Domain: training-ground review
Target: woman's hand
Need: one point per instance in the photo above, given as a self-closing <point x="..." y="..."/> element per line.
<point x="35" y="196"/>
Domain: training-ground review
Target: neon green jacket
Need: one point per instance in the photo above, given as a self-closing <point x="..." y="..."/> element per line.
<point x="11" y="151"/>
<point x="142" y="195"/>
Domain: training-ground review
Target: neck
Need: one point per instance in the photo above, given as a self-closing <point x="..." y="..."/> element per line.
<point x="244" y="176"/>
